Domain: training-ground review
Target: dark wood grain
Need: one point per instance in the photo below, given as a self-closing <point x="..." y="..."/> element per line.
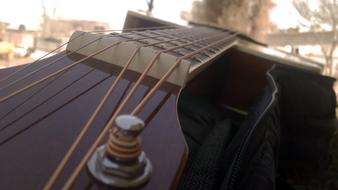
<point x="39" y="125"/>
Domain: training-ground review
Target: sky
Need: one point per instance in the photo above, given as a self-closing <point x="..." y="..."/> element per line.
<point x="284" y="14"/>
<point x="28" y="12"/>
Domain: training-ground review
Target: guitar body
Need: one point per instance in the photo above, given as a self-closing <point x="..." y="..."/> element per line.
<point x="39" y="125"/>
<point x="215" y="69"/>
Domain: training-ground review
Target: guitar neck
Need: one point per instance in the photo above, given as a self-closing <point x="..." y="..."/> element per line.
<point x="149" y="43"/>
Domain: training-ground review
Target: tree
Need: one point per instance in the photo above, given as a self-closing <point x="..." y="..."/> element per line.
<point x="3" y="27"/>
<point x="248" y="16"/>
<point x="321" y="16"/>
<point x="47" y="15"/>
<point x="150" y="4"/>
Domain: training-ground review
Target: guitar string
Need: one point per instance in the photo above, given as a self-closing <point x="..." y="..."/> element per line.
<point x="61" y="57"/>
<point x="62" y="45"/>
<point x="38" y="60"/>
<point x="19" y="132"/>
<point x="47" y="100"/>
<point x="157" y="108"/>
<point x="134" y="29"/>
<point x="65" y="68"/>
<point x="144" y="73"/>
<point x="71" y="150"/>
<point x="31" y="96"/>
<point x="44" y="101"/>
<point x="170" y="71"/>
<point x="83" y="161"/>
<point x="126" y="99"/>
<point x="35" y="107"/>
<point x="47" y="85"/>
<point x="121" y="98"/>
<point x="46" y="65"/>
<point x="146" y="70"/>
<point x="8" y="139"/>
<point x="27" y="99"/>
<point x="80" y="136"/>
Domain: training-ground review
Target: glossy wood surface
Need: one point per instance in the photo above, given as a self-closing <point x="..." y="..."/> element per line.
<point x="38" y="126"/>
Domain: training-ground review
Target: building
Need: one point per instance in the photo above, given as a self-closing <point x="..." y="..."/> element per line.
<point x="61" y="28"/>
<point x="308" y="44"/>
<point x="55" y="32"/>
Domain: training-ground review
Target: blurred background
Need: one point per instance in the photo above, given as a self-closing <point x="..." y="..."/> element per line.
<point x="308" y="28"/>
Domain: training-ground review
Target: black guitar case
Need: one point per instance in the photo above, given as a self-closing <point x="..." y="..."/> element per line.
<point x="282" y="143"/>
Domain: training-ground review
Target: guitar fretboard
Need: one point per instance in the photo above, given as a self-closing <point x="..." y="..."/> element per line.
<point x="204" y="44"/>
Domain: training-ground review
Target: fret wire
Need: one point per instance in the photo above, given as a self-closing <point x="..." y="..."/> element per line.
<point x="161" y="33"/>
<point x="199" y="59"/>
<point x="173" y="44"/>
<point x="60" y="58"/>
<point x="201" y="45"/>
<point x="84" y="130"/>
<point x="56" y="60"/>
<point x="144" y="34"/>
<point x="172" y="35"/>
<point x="82" y="163"/>
<point x="186" y="33"/>
<point x="190" y="31"/>
<point x="132" y="29"/>
<point x="140" y="79"/>
<point x="62" y="45"/>
<point x="170" y="32"/>
<point x="136" y="29"/>
<point x="65" y="68"/>
<point x="162" y="80"/>
<point x="164" y="35"/>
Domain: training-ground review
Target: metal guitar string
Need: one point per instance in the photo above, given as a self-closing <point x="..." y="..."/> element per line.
<point x="61" y="57"/>
<point x="38" y="60"/>
<point x="62" y="45"/>
<point x="67" y="67"/>
<point x="47" y="65"/>
<point x="169" y="72"/>
<point x="53" y="96"/>
<point x="43" y="102"/>
<point x="126" y="99"/>
<point x="71" y="150"/>
<point x="54" y="80"/>
<point x="39" y="104"/>
<point x="45" y="86"/>
<point x="8" y="139"/>
<point x="30" y="97"/>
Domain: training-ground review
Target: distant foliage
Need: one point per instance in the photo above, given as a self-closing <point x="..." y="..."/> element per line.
<point x="248" y="16"/>
<point x="321" y="16"/>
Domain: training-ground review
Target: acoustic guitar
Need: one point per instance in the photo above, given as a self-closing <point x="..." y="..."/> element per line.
<point x="103" y="113"/>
